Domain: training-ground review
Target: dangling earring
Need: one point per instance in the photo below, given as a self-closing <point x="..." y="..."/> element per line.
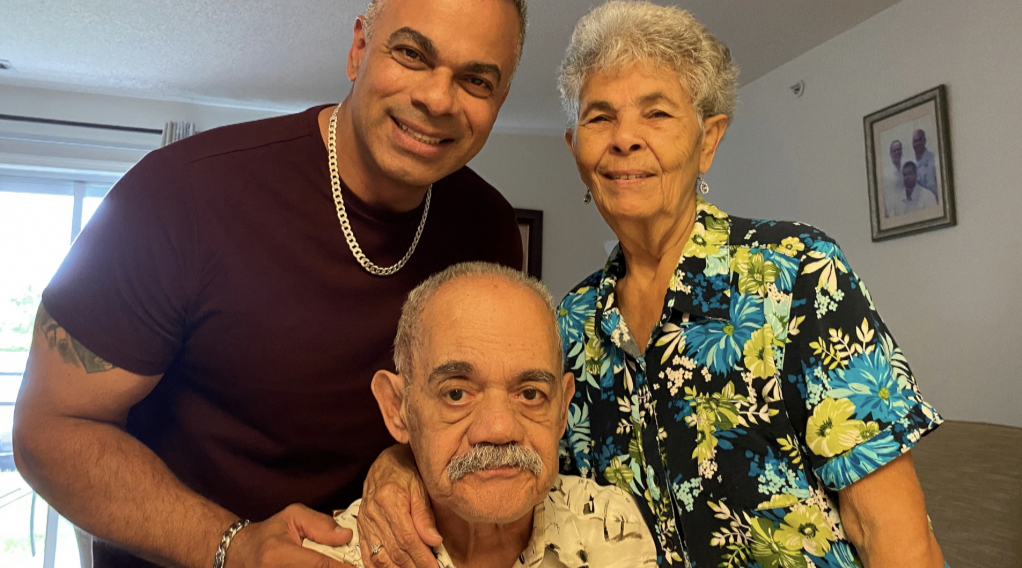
<point x="588" y="197"/>
<point x="704" y="187"/>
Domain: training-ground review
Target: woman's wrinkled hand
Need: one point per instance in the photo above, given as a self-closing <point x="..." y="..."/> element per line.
<point x="395" y="514"/>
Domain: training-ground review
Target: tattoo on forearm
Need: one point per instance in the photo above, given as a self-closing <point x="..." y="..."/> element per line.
<point x="69" y="348"/>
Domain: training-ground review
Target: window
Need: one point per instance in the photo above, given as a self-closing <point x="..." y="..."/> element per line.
<point x="39" y="219"/>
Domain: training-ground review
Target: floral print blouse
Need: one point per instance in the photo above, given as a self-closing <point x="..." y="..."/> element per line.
<point x="769" y="383"/>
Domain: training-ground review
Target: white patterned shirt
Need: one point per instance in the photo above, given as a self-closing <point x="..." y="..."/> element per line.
<point x="579" y="525"/>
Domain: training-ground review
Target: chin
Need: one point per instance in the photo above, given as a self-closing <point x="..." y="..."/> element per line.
<point x="417" y="173"/>
<point x="497" y="510"/>
<point x="497" y="501"/>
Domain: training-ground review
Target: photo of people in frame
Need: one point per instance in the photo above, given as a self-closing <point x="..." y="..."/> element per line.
<point x="906" y="151"/>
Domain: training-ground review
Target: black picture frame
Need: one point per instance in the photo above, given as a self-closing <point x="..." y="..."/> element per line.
<point x="530" y="224"/>
<point x="896" y="211"/>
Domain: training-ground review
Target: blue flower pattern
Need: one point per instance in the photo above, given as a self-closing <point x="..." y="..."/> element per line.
<point x="712" y="428"/>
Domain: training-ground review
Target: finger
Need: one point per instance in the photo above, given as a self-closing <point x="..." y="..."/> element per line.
<point x="386" y="542"/>
<point x="379" y="559"/>
<point x="384" y="560"/>
<point x="388" y="522"/>
<point x="408" y="551"/>
<point x="422" y="517"/>
<point x="315" y="526"/>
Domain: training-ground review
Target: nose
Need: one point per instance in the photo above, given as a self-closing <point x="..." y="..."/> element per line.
<point x="495" y="420"/>
<point x="435" y="93"/>
<point x="627" y="136"/>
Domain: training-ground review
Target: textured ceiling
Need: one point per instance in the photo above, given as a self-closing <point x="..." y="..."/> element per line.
<point x="273" y="54"/>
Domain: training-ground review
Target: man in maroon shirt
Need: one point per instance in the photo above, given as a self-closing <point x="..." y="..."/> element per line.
<point x="204" y="354"/>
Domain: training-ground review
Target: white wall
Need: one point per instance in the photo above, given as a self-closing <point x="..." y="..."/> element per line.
<point x="538" y="172"/>
<point x="949" y="296"/>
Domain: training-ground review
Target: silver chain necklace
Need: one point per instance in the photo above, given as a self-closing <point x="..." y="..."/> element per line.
<point x="342" y="215"/>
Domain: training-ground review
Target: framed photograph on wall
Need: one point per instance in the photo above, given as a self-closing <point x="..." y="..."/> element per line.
<point x="530" y="224"/>
<point x="908" y="161"/>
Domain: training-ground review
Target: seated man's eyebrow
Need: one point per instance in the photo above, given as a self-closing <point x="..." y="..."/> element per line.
<point x="537" y="376"/>
<point x="450" y="369"/>
<point x="416" y="37"/>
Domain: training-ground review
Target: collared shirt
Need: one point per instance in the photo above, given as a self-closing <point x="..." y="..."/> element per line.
<point x="922" y="198"/>
<point x="580" y="524"/>
<point x="768" y="384"/>
<point x="894" y="186"/>
<point x="926" y="172"/>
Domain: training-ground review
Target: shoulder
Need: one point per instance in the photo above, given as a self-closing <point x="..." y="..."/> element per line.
<point x="584" y="497"/>
<point x="762" y="233"/>
<point x="586" y="287"/>
<point x="797" y="241"/>
<point x="608" y="526"/>
<point x="242" y="137"/>
<point x="162" y="178"/>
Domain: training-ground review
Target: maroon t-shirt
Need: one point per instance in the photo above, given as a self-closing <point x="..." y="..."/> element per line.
<point x="220" y="263"/>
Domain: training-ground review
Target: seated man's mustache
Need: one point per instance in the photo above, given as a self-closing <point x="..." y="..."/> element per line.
<point x="489" y="456"/>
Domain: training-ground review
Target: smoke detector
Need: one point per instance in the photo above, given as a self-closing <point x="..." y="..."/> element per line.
<point x="798" y="88"/>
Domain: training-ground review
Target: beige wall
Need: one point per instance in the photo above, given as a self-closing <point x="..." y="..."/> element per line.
<point x="949" y="296"/>
<point x="538" y="172"/>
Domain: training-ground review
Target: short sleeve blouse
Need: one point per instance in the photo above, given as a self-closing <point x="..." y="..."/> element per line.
<point x="769" y="384"/>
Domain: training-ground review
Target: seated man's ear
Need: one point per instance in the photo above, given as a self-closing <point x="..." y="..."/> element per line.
<point x="568" y="384"/>
<point x="389" y="390"/>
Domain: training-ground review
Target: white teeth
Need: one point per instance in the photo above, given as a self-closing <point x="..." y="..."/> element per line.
<point x="420" y="137"/>
<point x="631" y="176"/>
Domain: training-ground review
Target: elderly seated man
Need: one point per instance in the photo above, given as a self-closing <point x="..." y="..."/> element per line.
<point x="481" y="399"/>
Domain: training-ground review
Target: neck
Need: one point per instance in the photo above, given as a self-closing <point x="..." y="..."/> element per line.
<point x="360" y="172"/>
<point x="919" y="154"/>
<point x="908" y="192"/>
<point x="652" y="249"/>
<point x="482" y="544"/>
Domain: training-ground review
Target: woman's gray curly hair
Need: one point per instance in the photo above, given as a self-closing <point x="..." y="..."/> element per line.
<point x="618" y="34"/>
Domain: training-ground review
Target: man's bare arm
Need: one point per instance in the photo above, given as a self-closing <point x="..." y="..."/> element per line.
<point x="884" y="516"/>
<point x="70" y="445"/>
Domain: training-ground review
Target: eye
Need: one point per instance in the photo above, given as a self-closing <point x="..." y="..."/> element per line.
<point x="408" y="56"/>
<point x="659" y="114"/>
<point x="532" y="394"/>
<point x="477" y="86"/>
<point x="455" y="395"/>
<point x="409" y="53"/>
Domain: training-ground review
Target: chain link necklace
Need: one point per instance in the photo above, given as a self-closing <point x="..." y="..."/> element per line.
<point x="342" y="215"/>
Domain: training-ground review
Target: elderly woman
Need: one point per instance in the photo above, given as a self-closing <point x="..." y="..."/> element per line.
<point x="733" y="375"/>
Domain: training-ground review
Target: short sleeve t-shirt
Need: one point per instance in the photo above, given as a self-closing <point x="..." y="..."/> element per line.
<point x="219" y="263"/>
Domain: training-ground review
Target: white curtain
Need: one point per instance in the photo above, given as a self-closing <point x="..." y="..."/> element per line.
<point x="174" y="131"/>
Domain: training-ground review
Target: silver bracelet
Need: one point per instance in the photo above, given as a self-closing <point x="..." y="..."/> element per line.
<point x="225" y="542"/>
